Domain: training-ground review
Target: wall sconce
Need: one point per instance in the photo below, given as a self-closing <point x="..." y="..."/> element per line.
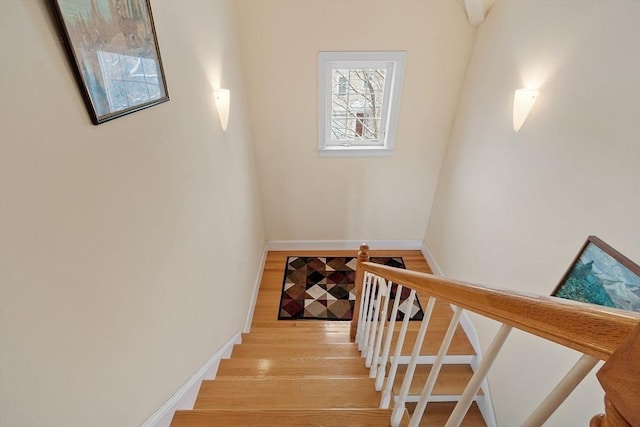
<point x="522" y="102"/>
<point x="223" y="98"/>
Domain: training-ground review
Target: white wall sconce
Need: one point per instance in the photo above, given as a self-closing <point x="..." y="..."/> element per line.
<point x="523" y="100"/>
<point x="223" y="98"/>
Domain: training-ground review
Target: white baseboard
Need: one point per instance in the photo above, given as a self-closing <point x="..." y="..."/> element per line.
<point x="185" y="397"/>
<point x="256" y="288"/>
<point x="320" y="245"/>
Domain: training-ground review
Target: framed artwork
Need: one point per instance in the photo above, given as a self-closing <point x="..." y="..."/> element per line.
<point x="601" y="275"/>
<point x="114" y="53"/>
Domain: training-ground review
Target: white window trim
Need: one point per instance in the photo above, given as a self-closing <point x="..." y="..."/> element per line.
<point x="327" y="61"/>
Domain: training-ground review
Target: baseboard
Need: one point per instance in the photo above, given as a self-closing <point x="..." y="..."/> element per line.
<point x="256" y="288"/>
<point x="185" y="397"/>
<point x="320" y="245"/>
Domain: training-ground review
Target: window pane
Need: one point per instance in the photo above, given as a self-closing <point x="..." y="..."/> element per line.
<point x="129" y="80"/>
<point x="356" y="103"/>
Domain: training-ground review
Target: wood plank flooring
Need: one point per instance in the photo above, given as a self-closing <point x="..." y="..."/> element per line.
<point x="292" y="417"/>
<point x="266" y="311"/>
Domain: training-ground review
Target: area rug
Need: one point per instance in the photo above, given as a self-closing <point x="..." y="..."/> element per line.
<point x="322" y="288"/>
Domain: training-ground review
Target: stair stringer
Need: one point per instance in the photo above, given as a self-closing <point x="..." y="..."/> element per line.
<point x="484" y="402"/>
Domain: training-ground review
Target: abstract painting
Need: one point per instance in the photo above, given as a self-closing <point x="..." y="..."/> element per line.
<point x="601" y="275"/>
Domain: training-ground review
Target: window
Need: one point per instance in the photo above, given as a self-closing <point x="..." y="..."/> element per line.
<point x="342" y="85"/>
<point x="359" y="94"/>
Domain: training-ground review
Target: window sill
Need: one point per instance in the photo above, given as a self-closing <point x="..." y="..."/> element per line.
<point x="355" y="152"/>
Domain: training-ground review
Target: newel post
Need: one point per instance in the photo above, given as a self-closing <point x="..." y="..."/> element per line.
<point x="363" y="256"/>
<point x="619" y="380"/>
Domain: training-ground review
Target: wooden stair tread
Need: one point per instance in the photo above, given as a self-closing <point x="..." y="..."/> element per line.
<point x="437" y="414"/>
<point x="310" y="367"/>
<point x="276" y="393"/>
<point x="294" y="350"/>
<point x="293" y="327"/>
<point x="267" y="319"/>
<point x="309" y="337"/>
<point x="451" y="381"/>
<point x="285" y="418"/>
<point x="460" y="344"/>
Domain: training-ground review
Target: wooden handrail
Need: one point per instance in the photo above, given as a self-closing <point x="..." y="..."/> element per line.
<point x="590" y="329"/>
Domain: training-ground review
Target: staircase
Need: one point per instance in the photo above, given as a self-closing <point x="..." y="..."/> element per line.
<point x="306" y="373"/>
<point x="310" y="373"/>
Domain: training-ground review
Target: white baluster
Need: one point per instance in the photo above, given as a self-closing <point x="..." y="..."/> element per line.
<point x="362" y="316"/>
<point x="374" y="324"/>
<point x="386" y="287"/>
<point x="387" y="344"/>
<point x="388" y="388"/>
<point x="399" y="407"/>
<point x="476" y="380"/>
<point x="583" y="366"/>
<point x="368" y="319"/>
<point x="435" y="369"/>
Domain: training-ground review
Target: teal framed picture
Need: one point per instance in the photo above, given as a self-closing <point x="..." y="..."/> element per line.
<point x="601" y="275"/>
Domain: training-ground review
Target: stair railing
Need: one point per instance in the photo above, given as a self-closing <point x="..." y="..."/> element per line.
<point x="593" y="330"/>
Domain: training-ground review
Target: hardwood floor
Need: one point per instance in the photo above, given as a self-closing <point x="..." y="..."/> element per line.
<point x="266" y="311"/>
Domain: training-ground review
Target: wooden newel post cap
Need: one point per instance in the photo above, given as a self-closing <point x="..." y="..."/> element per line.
<point x="364" y="251"/>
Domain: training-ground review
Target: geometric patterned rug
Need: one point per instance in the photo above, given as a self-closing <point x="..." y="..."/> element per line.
<point x="322" y="288"/>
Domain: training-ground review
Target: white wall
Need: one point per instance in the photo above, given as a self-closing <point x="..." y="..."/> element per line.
<point x="129" y="250"/>
<point x="511" y="209"/>
<point x="310" y="198"/>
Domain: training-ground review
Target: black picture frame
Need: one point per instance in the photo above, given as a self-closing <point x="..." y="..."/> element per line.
<point x="601" y="275"/>
<point x="114" y="53"/>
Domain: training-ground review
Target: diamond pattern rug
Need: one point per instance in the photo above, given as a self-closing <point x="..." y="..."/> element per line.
<point x="322" y="288"/>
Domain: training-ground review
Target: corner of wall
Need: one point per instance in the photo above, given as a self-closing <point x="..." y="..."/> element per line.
<point x="426" y="252"/>
<point x="256" y="288"/>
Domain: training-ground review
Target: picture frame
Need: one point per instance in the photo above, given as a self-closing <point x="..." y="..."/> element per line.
<point x="114" y="53"/>
<point x="601" y="275"/>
